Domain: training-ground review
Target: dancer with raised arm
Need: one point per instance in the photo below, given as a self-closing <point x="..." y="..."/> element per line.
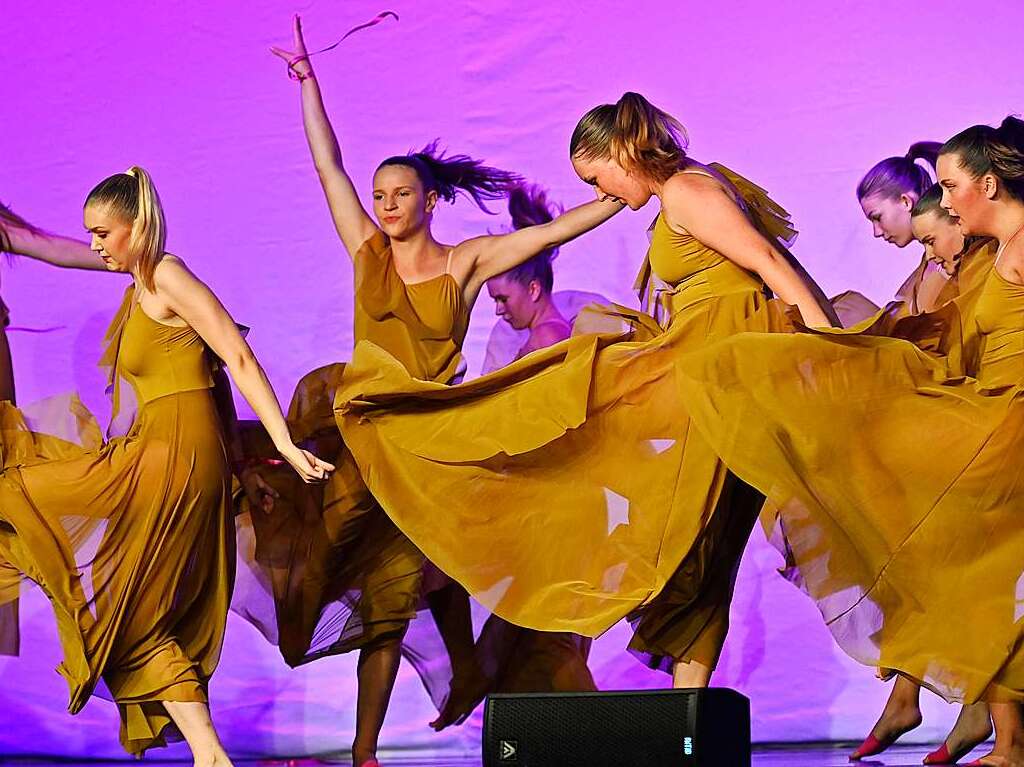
<point x="628" y="508"/>
<point x="344" y="578"/>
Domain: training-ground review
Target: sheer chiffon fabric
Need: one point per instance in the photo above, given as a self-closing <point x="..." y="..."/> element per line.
<point x="569" y="489"/>
<point x="130" y="539"/>
<point x="890" y="456"/>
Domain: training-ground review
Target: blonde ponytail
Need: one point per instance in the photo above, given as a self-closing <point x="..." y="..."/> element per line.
<point x="149" y="229"/>
<point x="132" y="196"/>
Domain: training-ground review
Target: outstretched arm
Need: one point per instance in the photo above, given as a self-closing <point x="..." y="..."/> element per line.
<point x="700" y="206"/>
<point x="496" y="254"/>
<point x="51" y="248"/>
<point x="195" y="303"/>
<point x="350" y="219"/>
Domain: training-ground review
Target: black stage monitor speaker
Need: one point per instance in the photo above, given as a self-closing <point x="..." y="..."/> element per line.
<point x="652" y="728"/>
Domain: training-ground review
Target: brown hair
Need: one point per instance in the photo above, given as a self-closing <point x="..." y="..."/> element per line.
<point x="635" y="134"/>
<point x="930" y="202"/>
<point x="132" y="196"/>
<point x="999" y="151"/>
<point x="449" y="175"/>
<point x="528" y="206"/>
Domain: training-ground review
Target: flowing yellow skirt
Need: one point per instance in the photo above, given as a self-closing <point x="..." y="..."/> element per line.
<point x="132" y="542"/>
<point x="568" y="489"/>
<point x="896" y="490"/>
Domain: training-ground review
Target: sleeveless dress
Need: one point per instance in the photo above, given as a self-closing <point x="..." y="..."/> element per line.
<point x="892" y="467"/>
<point x="131" y="540"/>
<point x="568" y="489"/>
<point x="341" y="575"/>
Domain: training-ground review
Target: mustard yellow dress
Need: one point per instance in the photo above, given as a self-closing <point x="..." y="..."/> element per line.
<point x="131" y="540"/>
<point x="341" y="575"/>
<point x="568" y="489"/>
<point x="512" y="659"/>
<point x="892" y="467"/>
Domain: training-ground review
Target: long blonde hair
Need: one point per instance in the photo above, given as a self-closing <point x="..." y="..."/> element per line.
<point x="634" y="133"/>
<point x="133" y="197"/>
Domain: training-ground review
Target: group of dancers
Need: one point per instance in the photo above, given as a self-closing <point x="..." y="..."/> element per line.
<point x="611" y="467"/>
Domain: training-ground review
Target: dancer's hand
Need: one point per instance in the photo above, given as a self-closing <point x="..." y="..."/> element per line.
<point x="298" y="59"/>
<point x="257" y="491"/>
<point x="308" y="466"/>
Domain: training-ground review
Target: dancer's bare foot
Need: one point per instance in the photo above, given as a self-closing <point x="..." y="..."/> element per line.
<point x="902" y="713"/>
<point x="1008" y="719"/>
<point x="973" y="727"/>
<point x="363" y="759"/>
<point x="467" y="691"/>
<point x="1012" y="758"/>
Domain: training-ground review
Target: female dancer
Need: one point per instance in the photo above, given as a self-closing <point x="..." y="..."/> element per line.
<point x="146" y="614"/>
<point x="522" y="296"/>
<point x="886" y="194"/>
<point x="966" y="262"/>
<point x="887" y="583"/>
<point x="508" y="658"/>
<point x="651" y="517"/>
<point x="357" y="581"/>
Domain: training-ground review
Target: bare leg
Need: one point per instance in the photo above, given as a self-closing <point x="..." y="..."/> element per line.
<point x="973" y="727"/>
<point x="377" y="670"/>
<point x="450" y="608"/>
<point x="451" y="611"/>
<point x="1009" y="724"/>
<point x="690" y="674"/>
<point x="193" y="720"/>
<point x="902" y="713"/>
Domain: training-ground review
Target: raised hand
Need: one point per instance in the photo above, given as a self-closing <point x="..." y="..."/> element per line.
<point x="297" y="59"/>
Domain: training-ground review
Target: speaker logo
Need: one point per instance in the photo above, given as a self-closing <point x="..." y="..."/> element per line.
<point x="509" y="750"/>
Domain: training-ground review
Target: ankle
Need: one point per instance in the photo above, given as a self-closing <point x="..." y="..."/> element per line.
<point x="363" y="753"/>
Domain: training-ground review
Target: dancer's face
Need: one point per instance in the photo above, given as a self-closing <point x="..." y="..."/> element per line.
<point x="613" y="182"/>
<point x="110" y="236"/>
<point x="514" y="302"/>
<point x="399" y="202"/>
<point x="942" y="239"/>
<point x="890" y="218"/>
<point x="965" y="198"/>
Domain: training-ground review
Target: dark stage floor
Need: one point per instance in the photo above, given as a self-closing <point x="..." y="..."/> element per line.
<point x="789" y="756"/>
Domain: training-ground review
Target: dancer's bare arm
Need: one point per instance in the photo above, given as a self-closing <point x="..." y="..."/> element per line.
<point x="700" y="206"/>
<point x="489" y="256"/>
<point x="350" y="219"/>
<point x="192" y="301"/>
<point x="52" y="248"/>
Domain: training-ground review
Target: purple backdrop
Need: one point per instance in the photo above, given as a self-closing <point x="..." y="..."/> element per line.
<point x="800" y="98"/>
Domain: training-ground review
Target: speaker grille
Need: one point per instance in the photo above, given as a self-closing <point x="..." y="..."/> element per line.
<point x="591" y="729"/>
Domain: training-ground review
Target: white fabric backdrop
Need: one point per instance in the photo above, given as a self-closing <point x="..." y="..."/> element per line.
<point x="801" y="98"/>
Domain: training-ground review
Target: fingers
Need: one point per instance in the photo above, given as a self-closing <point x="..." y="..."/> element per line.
<point x="282" y="53"/>
<point x="297" y="28"/>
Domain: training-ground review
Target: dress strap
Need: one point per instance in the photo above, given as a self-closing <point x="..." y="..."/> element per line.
<point x="448" y="265"/>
